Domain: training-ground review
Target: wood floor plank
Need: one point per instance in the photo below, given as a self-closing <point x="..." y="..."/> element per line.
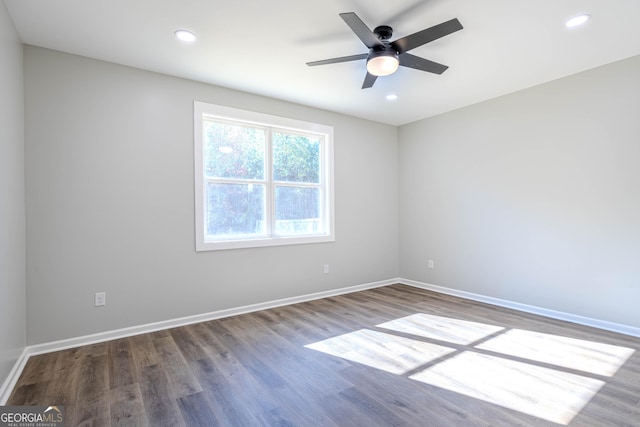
<point x="143" y="353"/>
<point x="409" y="400"/>
<point x="191" y="347"/>
<point x="196" y="411"/>
<point x="369" y="405"/>
<point x="62" y="388"/>
<point x="127" y="407"/>
<point x="181" y="380"/>
<point x="224" y="399"/>
<point x="252" y="363"/>
<point x="29" y="394"/>
<point x="252" y="376"/>
<point x="267" y="369"/>
<point x="160" y="407"/>
<point x="92" y="410"/>
<point x="345" y="413"/>
<point x="39" y="368"/>
<point x="275" y="351"/>
<point x="94" y="371"/>
<point x="91" y="404"/>
<point x="121" y="365"/>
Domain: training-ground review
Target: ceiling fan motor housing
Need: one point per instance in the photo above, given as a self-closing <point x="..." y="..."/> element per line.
<point x="382" y="51"/>
<point x="383" y="32"/>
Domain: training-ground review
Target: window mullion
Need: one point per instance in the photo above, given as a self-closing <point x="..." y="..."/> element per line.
<point x="269" y="186"/>
<point x="298" y="184"/>
<point x="320" y="187"/>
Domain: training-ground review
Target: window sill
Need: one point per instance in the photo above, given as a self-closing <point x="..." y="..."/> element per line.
<point x="260" y="243"/>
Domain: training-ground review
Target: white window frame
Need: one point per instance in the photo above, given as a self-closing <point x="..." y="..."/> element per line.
<point x="219" y="112"/>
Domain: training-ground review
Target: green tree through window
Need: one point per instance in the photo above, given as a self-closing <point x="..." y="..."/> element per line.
<point x="261" y="181"/>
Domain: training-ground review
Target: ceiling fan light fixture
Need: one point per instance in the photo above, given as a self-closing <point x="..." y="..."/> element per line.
<point x="383" y="63"/>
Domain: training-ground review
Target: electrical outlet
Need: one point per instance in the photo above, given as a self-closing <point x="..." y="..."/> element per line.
<point x="326" y="269"/>
<point x="100" y="299"/>
<point x="430" y="263"/>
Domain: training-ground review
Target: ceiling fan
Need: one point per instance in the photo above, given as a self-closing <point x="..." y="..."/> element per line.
<point x="386" y="56"/>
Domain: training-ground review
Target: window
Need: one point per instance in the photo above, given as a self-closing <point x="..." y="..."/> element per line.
<point x="261" y="180"/>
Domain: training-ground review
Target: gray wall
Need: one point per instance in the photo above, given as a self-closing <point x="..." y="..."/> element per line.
<point x="110" y="203"/>
<point x="532" y="197"/>
<point x="12" y="198"/>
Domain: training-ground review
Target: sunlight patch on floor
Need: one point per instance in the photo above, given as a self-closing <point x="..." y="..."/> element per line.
<point x="541" y="392"/>
<point x="587" y="356"/>
<point x="387" y="352"/>
<point x="442" y="328"/>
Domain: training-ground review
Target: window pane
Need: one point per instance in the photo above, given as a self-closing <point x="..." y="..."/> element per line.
<point x="232" y="151"/>
<point x="235" y="209"/>
<point x="260" y="180"/>
<point x="297" y="210"/>
<point x="296" y="158"/>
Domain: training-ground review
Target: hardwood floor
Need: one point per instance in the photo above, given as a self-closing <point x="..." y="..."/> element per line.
<point x="389" y="356"/>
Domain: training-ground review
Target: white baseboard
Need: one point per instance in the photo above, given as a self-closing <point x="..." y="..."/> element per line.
<point x="12" y="378"/>
<point x="553" y="314"/>
<point x="49" y="347"/>
<point x="14" y="375"/>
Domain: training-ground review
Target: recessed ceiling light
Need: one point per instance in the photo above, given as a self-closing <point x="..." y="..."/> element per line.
<point x="392" y="97"/>
<point x="185" y="36"/>
<point x="576" y="21"/>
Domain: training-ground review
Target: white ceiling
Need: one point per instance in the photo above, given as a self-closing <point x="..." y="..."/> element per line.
<point x="262" y="46"/>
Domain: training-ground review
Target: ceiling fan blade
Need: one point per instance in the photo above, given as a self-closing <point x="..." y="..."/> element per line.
<point x="369" y="80"/>
<point x="425" y="36"/>
<point x="362" y="31"/>
<point x="337" y="60"/>
<point x="412" y="61"/>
